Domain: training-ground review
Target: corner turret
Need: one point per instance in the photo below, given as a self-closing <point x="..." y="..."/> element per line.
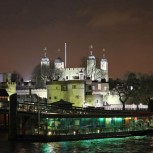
<point x="104" y="66"/>
<point x="91" y="65"/>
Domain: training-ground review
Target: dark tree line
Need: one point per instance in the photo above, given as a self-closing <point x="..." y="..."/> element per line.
<point x="135" y="88"/>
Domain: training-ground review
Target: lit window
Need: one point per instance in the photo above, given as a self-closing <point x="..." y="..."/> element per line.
<point x="99" y="86"/>
<point x="93" y="88"/>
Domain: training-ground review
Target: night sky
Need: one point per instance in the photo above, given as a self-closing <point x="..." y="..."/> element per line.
<point x="123" y="27"/>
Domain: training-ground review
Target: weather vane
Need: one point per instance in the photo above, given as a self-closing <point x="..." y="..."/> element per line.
<point x="45" y="50"/>
<point x="91" y="46"/>
<point x="103" y="50"/>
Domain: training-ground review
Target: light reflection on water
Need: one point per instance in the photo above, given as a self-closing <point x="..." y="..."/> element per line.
<point x="137" y="144"/>
<point x="112" y="145"/>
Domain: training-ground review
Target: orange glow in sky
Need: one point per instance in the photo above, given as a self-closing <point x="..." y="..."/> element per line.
<point x="122" y="27"/>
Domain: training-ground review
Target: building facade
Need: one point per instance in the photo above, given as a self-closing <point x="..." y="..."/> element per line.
<point x="83" y="86"/>
<point x="90" y="71"/>
<point x="71" y="91"/>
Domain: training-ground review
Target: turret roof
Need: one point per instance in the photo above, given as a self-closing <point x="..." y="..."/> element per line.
<point x="58" y="60"/>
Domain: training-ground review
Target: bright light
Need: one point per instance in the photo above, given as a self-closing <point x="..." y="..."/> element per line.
<point x="49" y="133"/>
<point x="131" y="87"/>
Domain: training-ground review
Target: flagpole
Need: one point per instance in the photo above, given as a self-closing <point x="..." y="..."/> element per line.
<point x="65" y="55"/>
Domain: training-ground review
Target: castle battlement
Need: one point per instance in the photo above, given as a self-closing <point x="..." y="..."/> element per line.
<point x="11" y="83"/>
<point x="40" y="92"/>
<point x="72" y="69"/>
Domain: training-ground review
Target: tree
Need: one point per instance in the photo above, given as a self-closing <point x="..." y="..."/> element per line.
<point x="57" y="74"/>
<point x="124" y="91"/>
<point x="17" y="78"/>
<point x="113" y="83"/>
<point x="41" y="78"/>
<point x="36" y="76"/>
<point x="146" y="88"/>
<point x="134" y="82"/>
<point x="127" y="89"/>
<point x="142" y="87"/>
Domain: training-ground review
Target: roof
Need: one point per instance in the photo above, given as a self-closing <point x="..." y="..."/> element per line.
<point x="58" y="60"/>
<point x="62" y="103"/>
<point x="91" y="56"/>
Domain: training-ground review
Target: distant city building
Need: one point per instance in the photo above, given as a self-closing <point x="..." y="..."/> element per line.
<point x="5" y="77"/>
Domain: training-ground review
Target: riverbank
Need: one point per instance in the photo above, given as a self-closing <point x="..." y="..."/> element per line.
<point x="57" y="138"/>
<point x="75" y="137"/>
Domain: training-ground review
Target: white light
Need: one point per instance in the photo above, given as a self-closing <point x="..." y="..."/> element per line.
<point x="131" y="88"/>
<point x="49" y="133"/>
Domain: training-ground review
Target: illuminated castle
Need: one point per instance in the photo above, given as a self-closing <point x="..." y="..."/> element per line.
<point x="83" y="86"/>
<point x="62" y="73"/>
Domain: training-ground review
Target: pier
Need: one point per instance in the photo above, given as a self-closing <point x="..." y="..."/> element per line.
<point x="42" y="122"/>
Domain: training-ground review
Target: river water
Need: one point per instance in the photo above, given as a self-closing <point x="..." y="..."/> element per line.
<point x="137" y="144"/>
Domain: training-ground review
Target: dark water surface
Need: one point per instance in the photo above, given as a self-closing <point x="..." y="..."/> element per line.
<point x="138" y="144"/>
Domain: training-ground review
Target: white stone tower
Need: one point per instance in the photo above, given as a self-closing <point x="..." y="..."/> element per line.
<point x="45" y="66"/>
<point x="104" y="66"/>
<point x="58" y="63"/>
<point x="91" y="65"/>
<point x="58" y="69"/>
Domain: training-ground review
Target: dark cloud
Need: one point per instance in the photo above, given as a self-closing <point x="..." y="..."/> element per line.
<point x="123" y="27"/>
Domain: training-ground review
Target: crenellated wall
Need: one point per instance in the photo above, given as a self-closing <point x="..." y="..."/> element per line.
<point x="40" y="92"/>
<point x="72" y="73"/>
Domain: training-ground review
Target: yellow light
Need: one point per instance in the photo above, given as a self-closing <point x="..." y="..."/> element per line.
<point x="49" y="133"/>
<point x="127" y="118"/>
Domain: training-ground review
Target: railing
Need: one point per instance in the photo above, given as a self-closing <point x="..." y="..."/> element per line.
<point x="46" y="108"/>
<point x="127" y="107"/>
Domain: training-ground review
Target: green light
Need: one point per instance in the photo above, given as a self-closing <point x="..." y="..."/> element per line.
<point x="101" y="119"/>
<point x="118" y="119"/>
<point x="46" y="148"/>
